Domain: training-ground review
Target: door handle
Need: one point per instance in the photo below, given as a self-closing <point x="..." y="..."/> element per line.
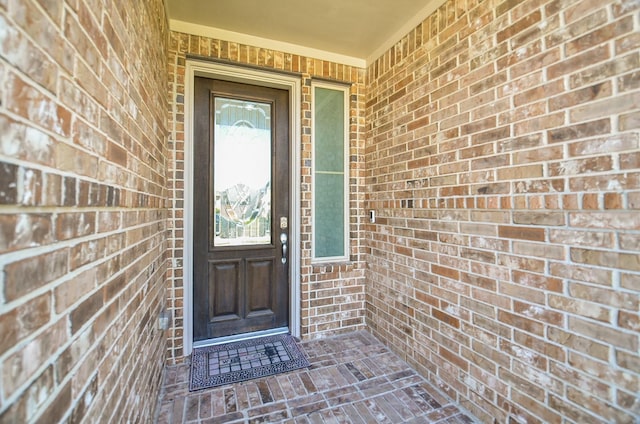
<point x="283" y="241"/>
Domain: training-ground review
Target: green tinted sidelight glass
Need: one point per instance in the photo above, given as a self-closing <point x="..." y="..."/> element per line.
<point x="329" y="173"/>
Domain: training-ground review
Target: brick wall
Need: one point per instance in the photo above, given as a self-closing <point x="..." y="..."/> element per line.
<point x="503" y="160"/>
<point x="82" y="209"/>
<point x="332" y="296"/>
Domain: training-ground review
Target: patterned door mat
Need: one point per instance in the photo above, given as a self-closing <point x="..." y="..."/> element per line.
<point x="218" y="365"/>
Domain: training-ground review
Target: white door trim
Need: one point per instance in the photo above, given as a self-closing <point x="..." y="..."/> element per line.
<point x="257" y="77"/>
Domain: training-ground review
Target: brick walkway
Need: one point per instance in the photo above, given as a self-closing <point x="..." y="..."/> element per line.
<point x="352" y="379"/>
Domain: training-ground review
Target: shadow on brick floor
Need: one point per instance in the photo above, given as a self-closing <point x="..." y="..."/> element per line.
<point x="353" y="378"/>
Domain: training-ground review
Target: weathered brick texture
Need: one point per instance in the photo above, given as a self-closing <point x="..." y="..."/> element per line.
<point x="82" y="209"/>
<point x="502" y="160"/>
<point x="498" y="142"/>
<point x="332" y="296"/>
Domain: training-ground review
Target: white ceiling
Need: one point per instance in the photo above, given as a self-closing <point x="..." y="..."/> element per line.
<point x="356" y="30"/>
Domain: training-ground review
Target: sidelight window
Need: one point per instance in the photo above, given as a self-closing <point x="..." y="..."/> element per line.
<point x="330" y="173"/>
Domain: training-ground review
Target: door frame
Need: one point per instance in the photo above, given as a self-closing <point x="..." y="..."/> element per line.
<point x="273" y="79"/>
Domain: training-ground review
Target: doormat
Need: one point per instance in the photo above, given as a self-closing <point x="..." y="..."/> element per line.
<point x="234" y="362"/>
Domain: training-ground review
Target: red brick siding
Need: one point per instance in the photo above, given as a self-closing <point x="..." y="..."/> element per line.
<point x="82" y="209"/>
<point x="502" y="161"/>
<point x="332" y="296"/>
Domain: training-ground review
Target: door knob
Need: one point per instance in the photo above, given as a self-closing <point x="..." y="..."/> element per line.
<point x="283" y="241"/>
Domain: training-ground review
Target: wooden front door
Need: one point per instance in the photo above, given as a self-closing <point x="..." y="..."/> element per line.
<point x="241" y="208"/>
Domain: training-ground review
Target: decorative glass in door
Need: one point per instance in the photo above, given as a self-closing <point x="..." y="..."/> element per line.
<point x="242" y="173"/>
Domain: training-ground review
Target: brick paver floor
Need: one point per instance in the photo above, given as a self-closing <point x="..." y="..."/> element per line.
<point x="353" y="378"/>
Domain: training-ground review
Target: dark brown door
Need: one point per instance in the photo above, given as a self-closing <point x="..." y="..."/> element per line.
<point x="241" y="208"/>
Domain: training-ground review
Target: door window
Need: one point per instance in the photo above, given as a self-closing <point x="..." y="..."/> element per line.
<point x="242" y="173"/>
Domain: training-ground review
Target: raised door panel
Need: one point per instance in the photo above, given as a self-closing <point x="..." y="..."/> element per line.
<point x="224" y="290"/>
<point x="259" y="292"/>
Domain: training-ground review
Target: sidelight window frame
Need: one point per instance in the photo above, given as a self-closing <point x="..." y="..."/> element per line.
<point x="316" y="257"/>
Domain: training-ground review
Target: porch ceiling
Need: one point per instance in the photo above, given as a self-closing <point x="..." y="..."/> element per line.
<point x="359" y="29"/>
